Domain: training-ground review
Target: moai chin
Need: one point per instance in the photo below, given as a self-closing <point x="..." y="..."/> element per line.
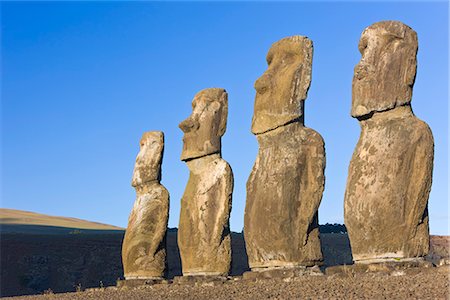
<point x="390" y="173"/>
<point x="144" y="244"/>
<point x="203" y="233"/>
<point x="285" y="186"/>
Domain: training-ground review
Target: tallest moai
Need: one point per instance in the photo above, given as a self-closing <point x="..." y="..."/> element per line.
<point x="390" y="172"/>
<point x="285" y="187"/>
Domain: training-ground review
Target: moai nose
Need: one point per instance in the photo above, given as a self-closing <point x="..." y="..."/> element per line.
<point x="262" y="84"/>
<point x="361" y="71"/>
<point x="187" y="125"/>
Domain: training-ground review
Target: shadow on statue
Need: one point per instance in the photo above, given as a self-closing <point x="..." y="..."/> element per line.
<point x="239" y="263"/>
<point x="38" y="258"/>
<point x="334" y="239"/>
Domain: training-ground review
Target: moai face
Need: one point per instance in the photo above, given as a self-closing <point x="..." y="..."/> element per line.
<point x="148" y="162"/>
<point x="204" y="128"/>
<point x="280" y="91"/>
<point x="385" y="75"/>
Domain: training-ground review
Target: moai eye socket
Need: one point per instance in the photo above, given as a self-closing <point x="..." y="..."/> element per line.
<point x="269" y="58"/>
<point x="362" y="46"/>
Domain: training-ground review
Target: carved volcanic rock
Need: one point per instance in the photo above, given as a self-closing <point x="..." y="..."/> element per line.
<point x="283" y="195"/>
<point x="285" y="186"/>
<point x="390" y="173"/>
<point x="388" y="185"/>
<point x="283" y="87"/>
<point x="385" y="75"/>
<point x="204" y="233"/>
<point x="204" y="128"/>
<point x="144" y="244"/>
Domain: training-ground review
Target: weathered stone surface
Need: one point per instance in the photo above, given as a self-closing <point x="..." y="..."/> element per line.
<point x="390" y="173"/>
<point x="388" y="267"/>
<point x="285" y="186"/>
<point x="144" y="244"/>
<point x="385" y="75"/>
<point x="203" y="234"/>
<point x="136" y="283"/>
<point x="283" y="273"/>
<point x="206" y="125"/>
<point x="200" y="280"/>
<point x="283" y="87"/>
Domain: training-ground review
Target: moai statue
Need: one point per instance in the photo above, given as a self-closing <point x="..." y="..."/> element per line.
<point x="204" y="234"/>
<point x="285" y="187"/>
<point x="389" y="177"/>
<point x="144" y="244"/>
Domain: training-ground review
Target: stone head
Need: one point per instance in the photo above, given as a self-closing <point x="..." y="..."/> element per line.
<point x="384" y="77"/>
<point x="283" y="87"/>
<point x="204" y="128"/>
<point x="148" y="162"/>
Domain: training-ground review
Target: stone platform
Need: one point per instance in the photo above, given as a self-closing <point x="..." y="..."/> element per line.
<point x="282" y="273"/>
<point x="201" y="279"/>
<point x="134" y="283"/>
<point x="387" y="267"/>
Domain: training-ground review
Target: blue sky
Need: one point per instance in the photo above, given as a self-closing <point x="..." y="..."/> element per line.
<point x="81" y="82"/>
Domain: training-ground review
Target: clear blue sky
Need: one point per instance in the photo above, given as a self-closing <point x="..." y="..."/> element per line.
<point x="82" y="81"/>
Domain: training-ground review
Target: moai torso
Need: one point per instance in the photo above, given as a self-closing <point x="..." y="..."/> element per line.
<point x="203" y="234"/>
<point x="205" y="209"/>
<point x="144" y="244"/>
<point x="285" y="186"/>
<point x="390" y="172"/>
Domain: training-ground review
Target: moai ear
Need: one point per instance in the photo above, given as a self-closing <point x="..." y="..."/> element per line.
<point x="160" y="146"/>
<point x="408" y="48"/>
<point x="306" y="70"/>
<point x="409" y="76"/>
<point x="223" y="113"/>
<point x="410" y="67"/>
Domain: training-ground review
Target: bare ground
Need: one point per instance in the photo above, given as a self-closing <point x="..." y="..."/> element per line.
<point x="35" y="258"/>
<point x="425" y="283"/>
<point x="32" y="264"/>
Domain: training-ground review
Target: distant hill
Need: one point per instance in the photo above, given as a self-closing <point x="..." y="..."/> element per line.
<point x="10" y="218"/>
<point x="333" y="228"/>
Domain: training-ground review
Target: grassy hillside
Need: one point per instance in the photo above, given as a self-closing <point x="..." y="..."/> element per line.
<point x="9" y="217"/>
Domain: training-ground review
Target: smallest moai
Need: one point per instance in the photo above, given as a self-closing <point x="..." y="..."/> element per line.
<point x="204" y="236"/>
<point x="144" y="244"/>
